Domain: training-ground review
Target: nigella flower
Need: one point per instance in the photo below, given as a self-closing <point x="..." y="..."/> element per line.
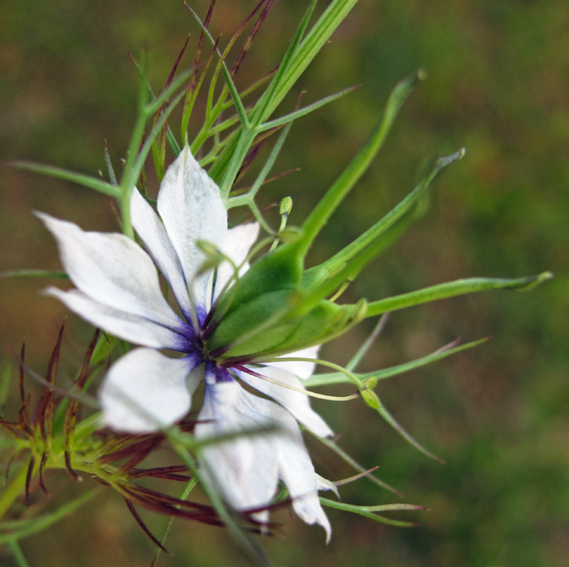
<point x="118" y="290"/>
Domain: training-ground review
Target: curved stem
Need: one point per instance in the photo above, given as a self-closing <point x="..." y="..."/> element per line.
<point x="17" y="553"/>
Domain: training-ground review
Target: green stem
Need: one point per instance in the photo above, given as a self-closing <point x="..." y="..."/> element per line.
<point x="17" y="553"/>
<point x="125" y="215"/>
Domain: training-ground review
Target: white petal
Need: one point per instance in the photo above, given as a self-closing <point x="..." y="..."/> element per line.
<point x="145" y="391"/>
<point x="302" y="370"/>
<point x="191" y="207"/>
<point x="295" y="466"/>
<point x="152" y="232"/>
<point x="325" y="484"/>
<point x="295" y="402"/>
<point x="129" y="327"/>
<point x="243" y="469"/>
<point x="297" y="472"/>
<point x="236" y="246"/>
<point x="112" y="270"/>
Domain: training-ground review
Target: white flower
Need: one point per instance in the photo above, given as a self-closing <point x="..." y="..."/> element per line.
<point x="118" y="290"/>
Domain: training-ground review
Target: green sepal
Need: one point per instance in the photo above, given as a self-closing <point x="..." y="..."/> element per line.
<point x="278" y="270"/>
<point x="321" y="324"/>
<point x="264" y="311"/>
<point x="270" y="325"/>
<point x="253" y="326"/>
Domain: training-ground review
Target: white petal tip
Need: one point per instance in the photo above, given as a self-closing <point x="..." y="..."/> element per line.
<point x="49" y="221"/>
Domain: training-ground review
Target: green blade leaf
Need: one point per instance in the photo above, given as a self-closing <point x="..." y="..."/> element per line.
<point x="331" y="444"/>
<point x="381" y="409"/>
<point x="248" y="198"/>
<point x="260" y="108"/>
<point x="226" y="74"/>
<point x="378" y="237"/>
<point x="359" y="164"/>
<point x="304" y="111"/>
<point x="452" y="289"/>
<point x="368" y="343"/>
<point x="305" y="53"/>
<point x="365" y="511"/>
<point x="57" y="274"/>
<point x="297" y="58"/>
<point x="60" y="173"/>
<point x="358" y="254"/>
<point x="135" y="159"/>
<point x="19" y="529"/>
<point x="175" y="147"/>
<point x="339" y="378"/>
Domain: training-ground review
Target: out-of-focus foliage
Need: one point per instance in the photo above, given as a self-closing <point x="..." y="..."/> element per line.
<point x="498" y="84"/>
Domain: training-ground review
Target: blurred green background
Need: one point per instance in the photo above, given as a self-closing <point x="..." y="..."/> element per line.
<point x="498" y="84"/>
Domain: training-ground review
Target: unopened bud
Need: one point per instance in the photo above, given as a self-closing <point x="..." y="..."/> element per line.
<point x="367" y="393"/>
<point x="285" y="206"/>
<point x="371" y="382"/>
